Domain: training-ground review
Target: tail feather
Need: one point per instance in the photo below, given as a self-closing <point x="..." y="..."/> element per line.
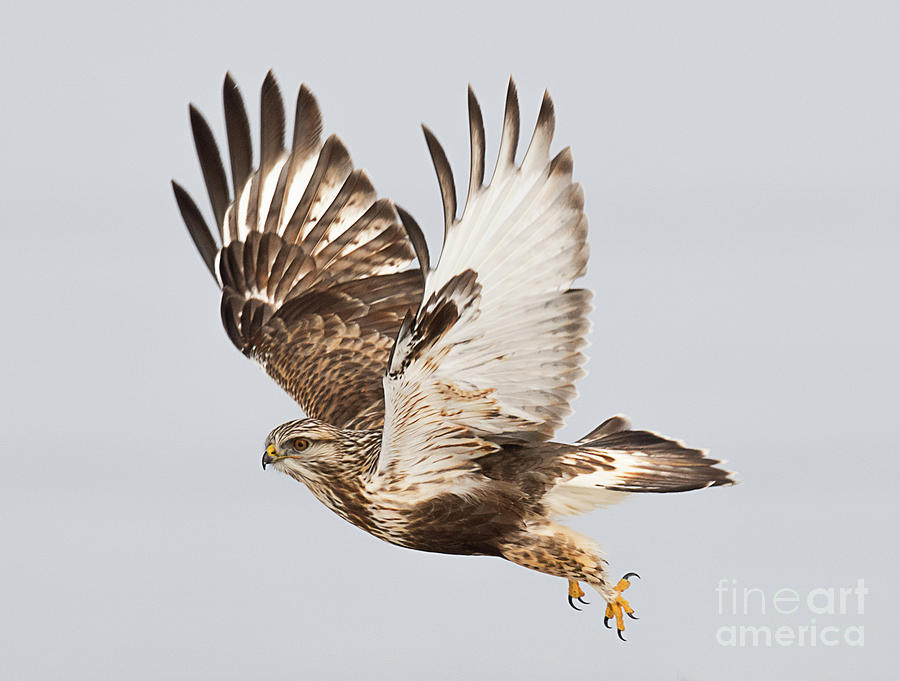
<point x="612" y="461"/>
<point x="613" y="424"/>
<point x="642" y="461"/>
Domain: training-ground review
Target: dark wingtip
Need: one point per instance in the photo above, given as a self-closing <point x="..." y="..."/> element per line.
<point x="198" y="121"/>
<point x="476" y="146"/>
<point x="270" y="90"/>
<point x="197" y="227"/>
<point x="307" y="122"/>
<point x="271" y="130"/>
<point x="210" y="164"/>
<point x="546" y="114"/>
<point x="416" y="237"/>
<point x="510" y="138"/>
<point x="444" y="175"/>
<point x="512" y="96"/>
<point x="434" y="147"/>
<point x="237" y="127"/>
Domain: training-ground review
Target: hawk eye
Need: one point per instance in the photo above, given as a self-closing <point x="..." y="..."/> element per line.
<point x="300" y="444"/>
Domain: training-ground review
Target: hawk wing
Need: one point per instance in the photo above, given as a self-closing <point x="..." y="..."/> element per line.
<point x="309" y="261"/>
<point x="494" y="349"/>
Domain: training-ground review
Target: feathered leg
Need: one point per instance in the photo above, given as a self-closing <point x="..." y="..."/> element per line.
<point x="557" y="550"/>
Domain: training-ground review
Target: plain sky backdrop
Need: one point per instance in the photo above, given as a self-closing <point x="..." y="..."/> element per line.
<point x="740" y="164"/>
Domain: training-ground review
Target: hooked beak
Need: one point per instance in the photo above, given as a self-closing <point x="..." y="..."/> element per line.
<point x="269" y="456"/>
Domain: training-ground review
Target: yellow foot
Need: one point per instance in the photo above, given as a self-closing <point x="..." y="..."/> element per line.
<point x="576" y="592"/>
<point x="616" y="607"/>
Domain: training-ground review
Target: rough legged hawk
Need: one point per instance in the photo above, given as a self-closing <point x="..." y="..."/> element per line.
<point x="433" y="392"/>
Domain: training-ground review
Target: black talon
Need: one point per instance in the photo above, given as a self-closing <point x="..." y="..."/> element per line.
<point x="632" y="616"/>
<point x="606" y="623"/>
<point x="573" y="604"/>
<point x="619" y="632"/>
<point x="631" y="574"/>
<point x="581" y="600"/>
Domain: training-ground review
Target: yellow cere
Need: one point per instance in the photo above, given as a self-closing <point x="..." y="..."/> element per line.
<point x="270" y="450"/>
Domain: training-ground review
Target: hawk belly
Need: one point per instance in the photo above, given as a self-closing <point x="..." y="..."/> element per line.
<point x="448" y="523"/>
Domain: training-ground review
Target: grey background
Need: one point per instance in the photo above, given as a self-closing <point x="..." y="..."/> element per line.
<point x="740" y="163"/>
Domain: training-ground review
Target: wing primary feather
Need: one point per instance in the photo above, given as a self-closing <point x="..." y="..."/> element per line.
<point x="539" y="147"/>
<point x="271" y="123"/>
<point x="307" y="124"/>
<point x="414" y="232"/>
<point x="276" y="207"/>
<point x="306" y="142"/>
<point x="356" y="182"/>
<point x="333" y="161"/>
<point x="509" y="140"/>
<point x="271" y="131"/>
<point x="237" y="126"/>
<point x="197" y="228"/>
<point x="476" y="146"/>
<point x="307" y="137"/>
<point x="211" y="165"/>
<point x="445" y="178"/>
<point x="562" y="163"/>
<point x="252" y="219"/>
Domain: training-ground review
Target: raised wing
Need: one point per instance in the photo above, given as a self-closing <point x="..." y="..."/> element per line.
<point x="494" y="350"/>
<point x="309" y="260"/>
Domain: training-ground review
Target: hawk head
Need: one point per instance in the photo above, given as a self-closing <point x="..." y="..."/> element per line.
<point x="313" y="451"/>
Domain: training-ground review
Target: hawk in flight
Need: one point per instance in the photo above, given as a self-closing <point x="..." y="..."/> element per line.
<point x="433" y="390"/>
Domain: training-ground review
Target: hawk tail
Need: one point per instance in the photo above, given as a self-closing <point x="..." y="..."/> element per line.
<point x="611" y="461"/>
<point x="642" y="461"/>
